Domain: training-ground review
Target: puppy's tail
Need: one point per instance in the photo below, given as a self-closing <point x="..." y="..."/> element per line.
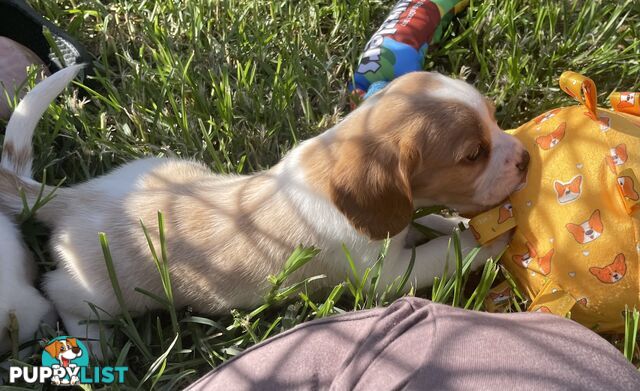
<point x="16" y="191"/>
<point x="17" y="152"/>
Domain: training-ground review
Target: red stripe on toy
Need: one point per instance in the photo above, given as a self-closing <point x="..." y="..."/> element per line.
<point x="417" y="24"/>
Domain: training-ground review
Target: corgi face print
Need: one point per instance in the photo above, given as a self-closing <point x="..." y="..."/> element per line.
<point x="569" y="191"/>
<point x="588" y="231"/>
<point x="545" y="262"/>
<point x="525" y="259"/>
<point x="500" y="297"/>
<point x="627" y="99"/>
<point x="552" y="139"/>
<point x="628" y="188"/>
<point x="605" y="123"/>
<point x="617" y="156"/>
<point x="505" y="213"/>
<point x="611" y="273"/>
<point x="546" y="116"/>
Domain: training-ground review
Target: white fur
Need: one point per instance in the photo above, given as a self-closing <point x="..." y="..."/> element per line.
<point x="28" y="112"/>
<point x="18" y="297"/>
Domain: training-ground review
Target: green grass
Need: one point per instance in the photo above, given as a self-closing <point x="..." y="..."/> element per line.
<point x="237" y="83"/>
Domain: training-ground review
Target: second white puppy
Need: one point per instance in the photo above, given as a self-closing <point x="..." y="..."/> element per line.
<point x="20" y="301"/>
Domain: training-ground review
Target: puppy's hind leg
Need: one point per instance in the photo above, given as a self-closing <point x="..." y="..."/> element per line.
<point x="71" y="297"/>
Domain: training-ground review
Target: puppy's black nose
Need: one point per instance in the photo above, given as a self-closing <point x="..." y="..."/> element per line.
<point x="524" y="161"/>
<point x="75" y="350"/>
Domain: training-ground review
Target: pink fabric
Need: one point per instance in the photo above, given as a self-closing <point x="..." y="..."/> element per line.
<point x="416" y="344"/>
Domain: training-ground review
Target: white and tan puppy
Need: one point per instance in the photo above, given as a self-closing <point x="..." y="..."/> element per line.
<point x="424" y="140"/>
<point x="20" y="301"/>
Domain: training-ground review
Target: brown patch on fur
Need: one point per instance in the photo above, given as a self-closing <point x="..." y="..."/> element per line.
<point x="19" y="158"/>
<point x="401" y="146"/>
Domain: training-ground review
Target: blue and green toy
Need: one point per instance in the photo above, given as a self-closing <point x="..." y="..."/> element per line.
<point x="400" y="44"/>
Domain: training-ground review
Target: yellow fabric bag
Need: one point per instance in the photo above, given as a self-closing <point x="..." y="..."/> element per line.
<point x="576" y="244"/>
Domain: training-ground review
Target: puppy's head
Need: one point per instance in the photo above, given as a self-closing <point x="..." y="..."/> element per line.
<point x="425" y="139"/>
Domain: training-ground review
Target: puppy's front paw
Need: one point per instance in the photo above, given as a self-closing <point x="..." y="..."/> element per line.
<point x="495" y="248"/>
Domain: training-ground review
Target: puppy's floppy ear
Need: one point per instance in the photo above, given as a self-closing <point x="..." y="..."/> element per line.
<point x="73" y="342"/>
<point x="370" y="185"/>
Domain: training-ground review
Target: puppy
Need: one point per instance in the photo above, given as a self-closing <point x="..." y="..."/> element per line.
<point x="20" y="301"/>
<point x="424" y="140"/>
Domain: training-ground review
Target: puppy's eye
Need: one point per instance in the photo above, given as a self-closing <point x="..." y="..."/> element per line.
<point x="477" y="152"/>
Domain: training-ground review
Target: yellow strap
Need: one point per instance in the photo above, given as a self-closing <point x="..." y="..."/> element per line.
<point x="626" y="102"/>
<point x="580" y="88"/>
<point x="629" y="188"/>
<point x="552" y="299"/>
<point x="492" y="223"/>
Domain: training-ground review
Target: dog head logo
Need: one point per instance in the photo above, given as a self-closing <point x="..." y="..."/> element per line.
<point x="628" y="188"/>
<point x="570" y="191"/>
<point x="525" y="259"/>
<point x="611" y="273"/>
<point x="546" y="116"/>
<point x="505" y="213"/>
<point x="627" y="99"/>
<point x="552" y="139"/>
<point x="68" y="354"/>
<point x="588" y="231"/>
